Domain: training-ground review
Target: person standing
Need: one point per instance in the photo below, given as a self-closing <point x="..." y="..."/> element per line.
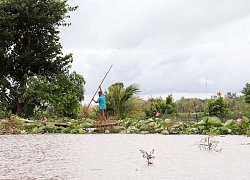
<point x="102" y="105"/>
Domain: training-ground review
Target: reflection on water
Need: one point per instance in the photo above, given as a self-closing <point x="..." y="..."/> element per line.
<point x="118" y="156"/>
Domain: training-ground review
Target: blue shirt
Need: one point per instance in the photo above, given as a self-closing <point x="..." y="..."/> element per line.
<point x="102" y="101"/>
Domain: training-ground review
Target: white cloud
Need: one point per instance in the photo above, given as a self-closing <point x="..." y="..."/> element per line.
<point x="167" y="47"/>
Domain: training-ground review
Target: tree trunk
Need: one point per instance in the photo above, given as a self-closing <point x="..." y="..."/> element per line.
<point x="19" y="108"/>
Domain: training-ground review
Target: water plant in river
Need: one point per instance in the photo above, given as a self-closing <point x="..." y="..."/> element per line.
<point x="148" y="156"/>
<point x="156" y="125"/>
<point x="208" y="143"/>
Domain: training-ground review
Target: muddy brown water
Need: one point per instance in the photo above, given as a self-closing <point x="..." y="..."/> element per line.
<point x="118" y="157"/>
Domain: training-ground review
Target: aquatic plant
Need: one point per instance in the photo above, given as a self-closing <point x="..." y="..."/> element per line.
<point x="148" y="156"/>
<point x="156" y="125"/>
<point x="208" y="143"/>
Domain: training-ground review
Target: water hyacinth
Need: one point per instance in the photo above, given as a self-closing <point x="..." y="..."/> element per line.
<point x="239" y="121"/>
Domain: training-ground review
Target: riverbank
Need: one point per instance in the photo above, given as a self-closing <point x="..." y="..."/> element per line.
<point x="206" y="126"/>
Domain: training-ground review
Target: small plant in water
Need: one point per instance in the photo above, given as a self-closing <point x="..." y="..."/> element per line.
<point x="208" y="143"/>
<point x="148" y="156"/>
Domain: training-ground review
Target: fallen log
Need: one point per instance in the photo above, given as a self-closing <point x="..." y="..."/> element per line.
<point x="67" y="124"/>
<point x="45" y="122"/>
<point x="105" y="125"/>
<point x="28" y="121"/>
<point x="54" y="123"/>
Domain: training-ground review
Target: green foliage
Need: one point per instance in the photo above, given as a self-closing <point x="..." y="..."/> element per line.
<point x="207" y="126"/>
<point x="3" y="113"/>
<point x="30" y="53"/>
<point x="155" y="105"/>
<point x="213" y="121"/>
<point x="122" y="101"/>
<point x="171" y="106"/>
<point x="218" y="107"/>
<point x="60" y="96"/>
<point x="246" y="92"/>
<point x="241" y="107"/>
<point x="86" y="125"/>
<point x="188" y="106"/>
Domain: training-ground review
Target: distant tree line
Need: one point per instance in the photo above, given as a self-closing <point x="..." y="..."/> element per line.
<point x="230" y="105"/>
<point x="124" y="102"/>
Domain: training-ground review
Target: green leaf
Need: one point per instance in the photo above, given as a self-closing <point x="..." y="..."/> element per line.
<point x="214" y="121"/>
<point x="245" y="119"/>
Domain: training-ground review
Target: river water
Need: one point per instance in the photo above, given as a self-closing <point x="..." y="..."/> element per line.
<point x="118" y="157"/>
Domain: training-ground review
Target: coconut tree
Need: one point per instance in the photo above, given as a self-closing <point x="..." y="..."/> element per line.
<point x="122" y="101"/>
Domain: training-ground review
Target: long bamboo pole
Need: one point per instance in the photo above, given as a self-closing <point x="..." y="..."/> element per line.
<point x="97" y="91"/>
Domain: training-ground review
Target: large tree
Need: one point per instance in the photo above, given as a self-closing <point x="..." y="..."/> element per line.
<point x="29" y="46"/>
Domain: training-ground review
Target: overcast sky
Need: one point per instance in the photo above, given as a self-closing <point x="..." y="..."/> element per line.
<point x="189" y="48"/>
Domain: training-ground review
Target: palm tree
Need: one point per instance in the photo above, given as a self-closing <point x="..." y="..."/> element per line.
<point x="122" y="101"/>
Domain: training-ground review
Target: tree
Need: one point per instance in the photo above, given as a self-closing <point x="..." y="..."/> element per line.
<point x="171" y="106"/>
<point x="29" y="46"/>
<point x="218" y="107"/>
<point x="246" y="93"/>
<point x="60" y="97"/>
<point x="122" y="101"/>
<point x="190" y="105"/>
<point x="231" y="99"/>
<point x="241" y="107"/>
<point x="155" y="105"/>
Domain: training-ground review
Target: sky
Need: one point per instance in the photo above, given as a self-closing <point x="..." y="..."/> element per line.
<point x="187" y="48"/>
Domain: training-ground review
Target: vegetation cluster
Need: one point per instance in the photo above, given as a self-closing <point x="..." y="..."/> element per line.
<point x="208" y="125"/>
